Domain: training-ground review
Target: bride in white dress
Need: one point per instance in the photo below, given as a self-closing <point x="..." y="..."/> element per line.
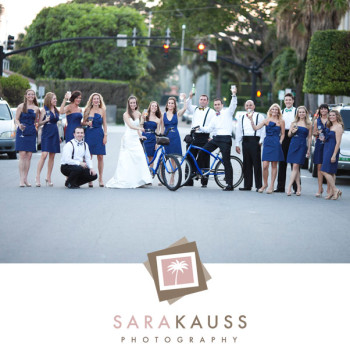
<point x="132" y="169"/>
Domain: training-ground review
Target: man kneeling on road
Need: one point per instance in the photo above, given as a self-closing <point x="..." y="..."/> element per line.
<point x="76" y="161"/>
<point x="221" y="127"/>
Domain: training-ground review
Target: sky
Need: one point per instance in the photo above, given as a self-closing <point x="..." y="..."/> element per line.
<point x="19" y="14"/>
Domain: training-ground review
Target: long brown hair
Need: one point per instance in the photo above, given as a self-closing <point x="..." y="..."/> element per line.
<point x="47" y="101"/>
<point x="175" y="108"/>
<point x="339" y="119"/>
<point x="35" y="101"/>
<point x="158" y="112"/>
<point x="128" y="108"/>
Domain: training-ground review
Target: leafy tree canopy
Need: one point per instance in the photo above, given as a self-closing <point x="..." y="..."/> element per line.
<point x="89" y="58"/>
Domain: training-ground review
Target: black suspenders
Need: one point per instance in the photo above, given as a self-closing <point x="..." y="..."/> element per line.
<point x="74" y="149"/>
<point x="256" y="123"/>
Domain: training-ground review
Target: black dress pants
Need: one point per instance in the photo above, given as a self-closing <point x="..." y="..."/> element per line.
<point x="224" y="142"/>
<point x="77" y="175"/>
<point x="200" y="140"/>
<point x="251" y="159"/>
<point x="282" y="166"/>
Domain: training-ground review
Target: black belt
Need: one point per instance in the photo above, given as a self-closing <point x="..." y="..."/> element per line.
<point x="249" y="138"/>
<point x="149" y="131"/>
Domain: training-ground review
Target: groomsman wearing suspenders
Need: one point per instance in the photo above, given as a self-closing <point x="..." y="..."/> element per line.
<point x="202" y="115"/>
<point x="251" y="141"/>
<point x="76" y="161"/>
<point x="288" y="115"/>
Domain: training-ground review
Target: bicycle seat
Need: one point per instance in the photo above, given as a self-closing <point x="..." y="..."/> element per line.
<point x="163" y="141"/>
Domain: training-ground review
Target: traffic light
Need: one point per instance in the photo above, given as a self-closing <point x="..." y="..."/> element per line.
<point x="200" y="48"/>
<point x="10" y="42"/>
<point x="258" y="93"/>
<point x="166" y="49"/>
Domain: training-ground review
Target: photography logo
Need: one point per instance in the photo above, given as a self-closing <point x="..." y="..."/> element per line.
<point x="177" y="271"/>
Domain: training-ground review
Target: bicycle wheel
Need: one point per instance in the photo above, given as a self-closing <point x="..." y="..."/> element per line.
<point x="237" y="167"/>
<point x="159" y="173"/>
<point x="186" y="169"/>
<point x="171" y="172"/>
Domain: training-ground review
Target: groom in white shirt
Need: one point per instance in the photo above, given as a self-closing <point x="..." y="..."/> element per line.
<point x="76" y="161"/>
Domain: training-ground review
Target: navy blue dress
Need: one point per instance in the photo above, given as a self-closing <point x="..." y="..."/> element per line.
<point x="272" y="151"/>
<point x="298" y="146"/>
<point x="150" y="127"/>
<point x="175" y="142"/>
<point x="50" y="140"/>
<point x="26" y="143"/>
<point x="318" y="152"/>
<point x="94" y="135"/>
<point x="329" y="145"/>
<point x="73" y="120"/>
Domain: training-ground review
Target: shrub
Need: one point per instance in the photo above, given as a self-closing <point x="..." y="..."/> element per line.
<point x="13" y="88"/>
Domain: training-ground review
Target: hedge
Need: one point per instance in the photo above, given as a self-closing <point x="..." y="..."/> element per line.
<point x="328" y="63"/>
<point x="13" y="88"/>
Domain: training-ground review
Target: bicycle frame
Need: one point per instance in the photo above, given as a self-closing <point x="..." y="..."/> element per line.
<point x="210" y="171"/>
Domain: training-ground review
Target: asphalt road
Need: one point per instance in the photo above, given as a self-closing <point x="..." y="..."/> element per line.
<point x="99" y="225"/>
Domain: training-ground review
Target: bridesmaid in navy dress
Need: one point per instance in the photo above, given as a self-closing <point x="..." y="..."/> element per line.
<point x="96" y="131"/>
<point x="26" y="115"/>
<point x="151" y="122"/>
<point x="272" y="151"/>
<point x="73" y="113"/>
<point x="319" y="132"/>
<point x="333" y="136"/>
<point x="50" y="141"/>
<point x="170" y="120"/>
<point x="300" y="133"/>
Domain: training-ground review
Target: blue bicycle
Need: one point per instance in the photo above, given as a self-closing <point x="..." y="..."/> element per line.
<point x="165" y="166"/>
<point x="216" y="169"/>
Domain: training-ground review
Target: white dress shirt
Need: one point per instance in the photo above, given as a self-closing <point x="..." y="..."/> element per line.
<point x="199" y="114"/>
<point x="81" y="154"/>
<point x="288" y="117"/>
<point x="247" y="128"/>
<point x="221" y="124"/>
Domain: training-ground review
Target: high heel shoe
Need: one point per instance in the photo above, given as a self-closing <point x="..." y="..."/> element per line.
<point x="262" y="189"/>
<point x="101" y="184"/>
<point x="50" y="184"/>
<point x="329" y="196"/>
<point x="269" y="191"/>
<point x="337" y="195"/>
<point x="289" y="193"/>
<point x="37" y="184"/>
<point x="298" y="193"/>
<point x="28" y="184"/>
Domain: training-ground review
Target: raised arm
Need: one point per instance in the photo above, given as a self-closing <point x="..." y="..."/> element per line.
<point x="190" y="108"/>
<point x="182" y="110"/>
<point x="259" y="126"/>
<point x="233" y="105"/>
<point x="63" y="108"/>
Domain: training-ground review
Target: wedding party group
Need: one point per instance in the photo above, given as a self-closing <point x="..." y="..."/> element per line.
<point x="283" y="137"/>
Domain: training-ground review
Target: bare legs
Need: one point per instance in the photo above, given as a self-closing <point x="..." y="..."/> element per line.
<point x="332" y="190"/>
<point x="320" y="180"/>
<point x="41" y="163"/>
<point x="100" y="168"/>
<point x="294" y="176"/>
<point x="23" y="165"/>
<point x="266" y="176"/>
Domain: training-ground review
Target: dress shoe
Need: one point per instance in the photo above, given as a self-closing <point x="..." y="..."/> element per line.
<point x="245" y="189"/>
<point x="228" y="188"/>
<point x="72" y="187"/>
<point x="204" y="186"/>
<point x="278" y="190"/>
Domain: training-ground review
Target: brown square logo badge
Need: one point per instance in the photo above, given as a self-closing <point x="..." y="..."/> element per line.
<point x="177" y="271"/>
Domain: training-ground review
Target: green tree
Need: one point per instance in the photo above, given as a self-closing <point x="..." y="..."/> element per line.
<point x="328" y="65"/>
<point x="13" y="88"/>
<point x="22" y="64"/>
<point x="90" y="58"/>
<point x="298" y="20"/>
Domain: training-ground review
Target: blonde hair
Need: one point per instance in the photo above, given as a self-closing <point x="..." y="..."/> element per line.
<point x="279" y="111"/>
<point x="89" y="104"/>
<point x="35" y="101"/>
<point x="47" y="101"/>
<point x="339" y="118"/>
<point x="307" y="119"/>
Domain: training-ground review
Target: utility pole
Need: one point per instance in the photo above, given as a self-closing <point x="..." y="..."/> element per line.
<point x="149" y="27"/>
<point x="183" y="39"/>
<point x="134" y="36"/>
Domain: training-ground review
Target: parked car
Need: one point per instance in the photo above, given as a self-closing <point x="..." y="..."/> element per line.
<point x="7" y="131"/>
<point x="187" y="117"/>
<point x="237" y="115"/>
<point x="344" y="156"/>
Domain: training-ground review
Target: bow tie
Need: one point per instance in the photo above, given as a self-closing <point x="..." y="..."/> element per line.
<point x="217" y="113"/>
<point x="288" y="109"/>
<point x="201" y="108"/>
<point x="80" y="143"/>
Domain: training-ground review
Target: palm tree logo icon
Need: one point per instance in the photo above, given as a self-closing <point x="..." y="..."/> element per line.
<point x="177" y="266"/>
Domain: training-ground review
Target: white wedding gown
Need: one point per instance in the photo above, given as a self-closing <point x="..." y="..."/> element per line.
<point x="132" y="169"/>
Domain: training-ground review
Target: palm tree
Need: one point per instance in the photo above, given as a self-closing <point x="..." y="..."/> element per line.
<point x="298" y="20"/>
<point x="176" y="267"/>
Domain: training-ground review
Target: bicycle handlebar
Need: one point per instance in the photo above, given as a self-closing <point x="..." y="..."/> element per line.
<point x="165" y="133"/>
